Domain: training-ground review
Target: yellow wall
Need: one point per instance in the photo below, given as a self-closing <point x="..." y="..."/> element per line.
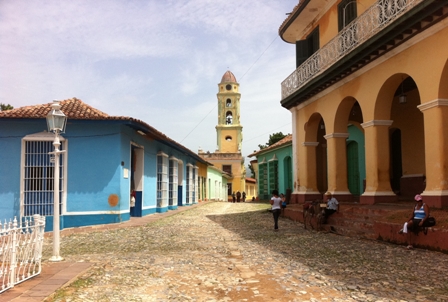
<point x="373" y="87"/>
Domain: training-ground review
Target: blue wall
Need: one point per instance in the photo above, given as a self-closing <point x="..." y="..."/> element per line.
<point x="97" y="154"/>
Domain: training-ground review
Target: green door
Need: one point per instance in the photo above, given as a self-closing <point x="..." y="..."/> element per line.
<point x="353" y="168"/>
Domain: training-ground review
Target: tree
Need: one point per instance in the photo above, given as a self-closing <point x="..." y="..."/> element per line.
<point x="5" y="107"/>
<point x="273" y="138"/>
<point x="252" y="172"/>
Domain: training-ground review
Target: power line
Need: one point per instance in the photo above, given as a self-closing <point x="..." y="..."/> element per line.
<point x="270" y="132"/>
<point x="250" y="67"/>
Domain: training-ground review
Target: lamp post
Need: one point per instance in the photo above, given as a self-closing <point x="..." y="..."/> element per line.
<point x="56" y="121"/>
<point x="343" y="12"/>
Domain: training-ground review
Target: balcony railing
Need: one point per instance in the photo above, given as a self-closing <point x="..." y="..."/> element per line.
<point x="373" y="20"/>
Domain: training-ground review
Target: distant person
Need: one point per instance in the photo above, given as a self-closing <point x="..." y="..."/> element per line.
<point x="332" y="206"/>
<point x="283" y="197"/>
<point x="233" y="197"/>
<point x="416" y="220"/>
<point x="238" y="196"/>
<point x="276" y="202"/>
<point x="243" y="196"/>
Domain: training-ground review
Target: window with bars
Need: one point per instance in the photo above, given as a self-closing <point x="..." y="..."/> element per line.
<point x="190" y="184"/>
<point x="263" y="178"/>
<point x="273" y="175"/>
<point x="172" y="191"/>
<point x="38" y="180"/>
<point x="162" y="179"/>
<point x="195" y="184"/>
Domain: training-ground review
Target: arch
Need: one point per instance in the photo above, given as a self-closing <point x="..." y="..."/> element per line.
<point x="229" y="118"/>
<point x="443" y="85"/>
<point x="386" y="95"/>
<point x="403" y="166"/>
<point x="228" y="103"/>
<point x="344" y="114"/>
<point x="313" y="127"/>
<point x="317" y="156"/>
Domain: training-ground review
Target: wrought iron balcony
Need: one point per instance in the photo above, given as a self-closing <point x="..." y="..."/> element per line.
<point x="375" y="19"/>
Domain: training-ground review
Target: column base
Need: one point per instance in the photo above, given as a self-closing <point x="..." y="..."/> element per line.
<point x="373" y="199"/>
<point x="438" y="202"/>
<point x="300" y="198"/>
<point x="347" y="197"/>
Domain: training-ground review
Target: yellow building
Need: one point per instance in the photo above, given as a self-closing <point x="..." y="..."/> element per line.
<point x="229" y="134"/>
<point x="369" y="99"/>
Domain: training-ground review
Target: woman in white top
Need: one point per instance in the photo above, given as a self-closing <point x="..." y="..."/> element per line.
<point x="276" y="203"/>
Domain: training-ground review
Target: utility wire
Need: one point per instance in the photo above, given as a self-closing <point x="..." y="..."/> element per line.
<point x="250" y="67"/>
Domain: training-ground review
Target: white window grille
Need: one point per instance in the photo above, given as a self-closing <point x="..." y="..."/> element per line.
<point x="190" y="184"/>
<point x="172" y="193"/>
<point x="37" y="181"/>
<point x="162" y="179"/>
<point x="195" y="183"/>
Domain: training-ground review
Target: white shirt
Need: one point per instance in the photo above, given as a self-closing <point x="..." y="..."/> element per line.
<point x="332" y="204"/>
<point x="277" y="201"/>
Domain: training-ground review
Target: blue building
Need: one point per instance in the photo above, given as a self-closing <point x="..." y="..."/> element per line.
<point x="114" y="167"/>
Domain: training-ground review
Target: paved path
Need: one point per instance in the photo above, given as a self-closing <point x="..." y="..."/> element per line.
<point x="229" y="252"/>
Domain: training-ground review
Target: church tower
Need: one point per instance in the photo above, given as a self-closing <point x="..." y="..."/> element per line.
<point x="229" y="136"/>
<point x="229" y="129"/>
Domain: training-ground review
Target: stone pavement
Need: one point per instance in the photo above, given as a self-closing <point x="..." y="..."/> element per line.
<point x="229" y="252"/>
<point x="55" y="275"/>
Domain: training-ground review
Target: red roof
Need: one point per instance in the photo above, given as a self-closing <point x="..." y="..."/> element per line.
<point x="284" y="141"/>
<point x="76" y="109"/>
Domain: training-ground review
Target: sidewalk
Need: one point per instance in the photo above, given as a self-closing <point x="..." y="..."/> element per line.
<point x="56" y="275"/>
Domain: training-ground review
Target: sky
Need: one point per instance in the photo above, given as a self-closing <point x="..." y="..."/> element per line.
<point x="159" y="61"/>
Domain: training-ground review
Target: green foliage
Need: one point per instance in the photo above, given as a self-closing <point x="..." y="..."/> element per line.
<point x="252" y="172"/>
<point x="273" y="138"/>
<point x="5" y="107"/>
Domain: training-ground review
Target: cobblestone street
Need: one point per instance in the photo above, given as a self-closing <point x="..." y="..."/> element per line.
<point x="229" y="252"/>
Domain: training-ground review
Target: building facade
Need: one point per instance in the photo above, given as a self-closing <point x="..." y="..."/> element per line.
<point x="369" y="99"/>
<point x="113" y="167"/>
<point x="229" y="135"/>
<point x="274" y="168"/>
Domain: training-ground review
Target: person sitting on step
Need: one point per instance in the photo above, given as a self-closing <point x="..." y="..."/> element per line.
<point x="332" y="206"/>
<point x="416" y="220"/>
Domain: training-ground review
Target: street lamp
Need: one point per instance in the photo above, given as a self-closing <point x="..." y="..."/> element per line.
<point x="343" y="12"/>
<point x="56" y="121"/>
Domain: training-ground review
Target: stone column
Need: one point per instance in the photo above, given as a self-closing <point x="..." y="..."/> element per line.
<point x="435" y="115"/>
<point x="377" y="148"/>
<point x="337" y="166"/>
<point x="308" y="179"/>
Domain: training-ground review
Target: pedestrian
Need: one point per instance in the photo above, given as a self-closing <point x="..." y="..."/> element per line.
<point x="244" y="196"/>
<point x="332" y="206"/>
<point x="238" y="196"/>
<point x="416" y="220"/>
<point x="283" y="197"/>
<point x="233" y="197"/>
<point x="276" y="202"/>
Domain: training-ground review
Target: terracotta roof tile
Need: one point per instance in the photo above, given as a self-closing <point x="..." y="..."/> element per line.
<point x="287" y="139"/>
<point x="76" y="109"/>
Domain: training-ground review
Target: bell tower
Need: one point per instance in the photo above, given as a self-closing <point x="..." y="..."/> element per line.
<point x="229" y="129"/>
<point x="227" y="157"/>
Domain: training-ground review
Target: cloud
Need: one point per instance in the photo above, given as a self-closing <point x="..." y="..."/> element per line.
<point x="158" y="61"/>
